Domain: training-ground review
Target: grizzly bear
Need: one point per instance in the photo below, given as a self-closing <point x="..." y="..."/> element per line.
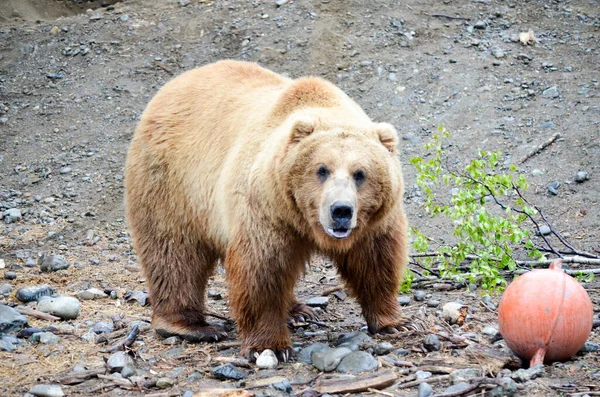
<point x="231" y="162"/>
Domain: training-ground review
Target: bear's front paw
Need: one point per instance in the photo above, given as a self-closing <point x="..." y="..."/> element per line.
<point x="283" y="355"/>
<point x="398" y="326"/>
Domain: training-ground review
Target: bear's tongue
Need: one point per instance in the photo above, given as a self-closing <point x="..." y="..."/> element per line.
<point x="338" y="233"/>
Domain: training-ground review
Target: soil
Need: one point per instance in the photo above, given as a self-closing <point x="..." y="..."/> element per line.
<point x="72" y="90"/>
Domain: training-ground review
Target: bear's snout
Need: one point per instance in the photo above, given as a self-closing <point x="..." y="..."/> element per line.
<point x="341" y="214"/>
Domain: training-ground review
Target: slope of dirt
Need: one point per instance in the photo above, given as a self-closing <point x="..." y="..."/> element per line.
<point x="72" y="90"/>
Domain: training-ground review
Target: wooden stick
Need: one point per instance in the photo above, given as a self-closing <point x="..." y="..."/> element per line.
<point x="332" y="290"/>
<point x="540" y="148"/>
<point x="567" y="271"/>
<point x="128" y="341"/>
<point x="383" y="393"/>
<point x="74" y="378"/>
<point x="36" y="313"/>
<point x="377" y="380"/>
<point x="447" y="16"/>
<point x="433" y="379"/>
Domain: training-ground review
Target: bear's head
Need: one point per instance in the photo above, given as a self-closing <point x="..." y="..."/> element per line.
<point x="342" y="179"/>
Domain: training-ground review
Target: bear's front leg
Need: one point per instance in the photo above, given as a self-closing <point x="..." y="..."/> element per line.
<point x="373" y="270"/>
<point x="261" y="276"/>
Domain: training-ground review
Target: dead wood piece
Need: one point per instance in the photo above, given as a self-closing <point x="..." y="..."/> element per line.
<point x="219" y="316"/>
<point x="382" y="393"/>
<point x="540" y="148"/>
<point x="105" y="338"/>
<point x="163" y="67"/>
<point x="447" y="17"/>
<point x="475" y="384"/>
<point x="128" y="341"/>
<point x="223" y="392"/>
<point x="36" y="313"/>
<point x="74" y="378"/>
<point x="238" y="362"/>
<point x="117" y="381"/>
<point x="163" y="394"/>
<point x="331" y="290"/>
<point x="377" y="380"/>
<point x="492" y="360"/>
<point x="437" y="369"/>
<point x="433" y="379"/>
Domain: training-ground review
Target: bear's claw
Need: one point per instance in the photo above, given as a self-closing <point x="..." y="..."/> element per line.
<point x="283" y="355"/>
<point x="301" y="313"/>
<point x="401" y="325"/>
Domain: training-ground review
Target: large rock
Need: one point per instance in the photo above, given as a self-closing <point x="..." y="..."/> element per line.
<point x="327" y="360"/>
<point x="11" y="320"/>
<point x="357" y="362"/>
<point x="52" y="263"/>
<point x="65" y="307"/>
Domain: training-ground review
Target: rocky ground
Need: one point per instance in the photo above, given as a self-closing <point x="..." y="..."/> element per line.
<point x="72" y="90"/>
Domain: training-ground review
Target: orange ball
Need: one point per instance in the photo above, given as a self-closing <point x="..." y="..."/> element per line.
<point x="545" y="315"/>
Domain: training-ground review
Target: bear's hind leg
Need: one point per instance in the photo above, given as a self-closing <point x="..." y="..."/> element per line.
<point x="177" y="271"/>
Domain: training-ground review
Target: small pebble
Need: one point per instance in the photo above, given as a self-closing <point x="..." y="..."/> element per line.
<point x="383" y="348"/>
<point x="52" y="263"/>
<point x="419" y="295"/>
<point x="318" y="301"/>
<point x="581" y="177"/>
<point x="431" y="342"/>
<point x="464" y="375"/>
<point x="10" y="275"/>
<point x="404" y="300"/>
<point x="227" y="372"/>
<point x="11" y="320"/>
<point x="544" y="230"/>
<point x="425" y="390"/>
<point x="47" y="338"/>
<point x="117" y="361"/>
<point x="163" y="383"/>
<point x="267" y="360"/>
<point x="91" y="293"/>
<point x="553" y="188"/>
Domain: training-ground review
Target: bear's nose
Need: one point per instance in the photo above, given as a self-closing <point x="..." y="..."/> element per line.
<point x="341" y="213"/>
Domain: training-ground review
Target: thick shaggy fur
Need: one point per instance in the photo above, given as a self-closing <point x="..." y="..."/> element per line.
<point x="223" y="166"/>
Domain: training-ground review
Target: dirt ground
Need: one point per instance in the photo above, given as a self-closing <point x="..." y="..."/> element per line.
<point x="73" y="88"/>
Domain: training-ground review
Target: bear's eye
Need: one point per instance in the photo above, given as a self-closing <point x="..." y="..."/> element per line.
<point x="322" y="173"/>
<point x="359" y="177"/>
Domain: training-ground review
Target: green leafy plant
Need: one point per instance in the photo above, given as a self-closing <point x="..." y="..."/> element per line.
<point x="486" y="211"/>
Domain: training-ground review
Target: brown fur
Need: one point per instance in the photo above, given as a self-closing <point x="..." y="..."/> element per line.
<point x="223" y="167"/>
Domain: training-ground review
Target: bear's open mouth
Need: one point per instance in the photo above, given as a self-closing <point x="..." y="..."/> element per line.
<point x="341" y="232"/>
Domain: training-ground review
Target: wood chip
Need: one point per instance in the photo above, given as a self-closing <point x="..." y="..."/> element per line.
<point x="377" y="380"/>
<point x="222" y="392"/>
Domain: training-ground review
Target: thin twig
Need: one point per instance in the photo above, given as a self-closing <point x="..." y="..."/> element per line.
<point x="540" y="148"/>
<point x="128" y="341"/>
<point x="36" y="313"/>
<point x="447" y="16"/>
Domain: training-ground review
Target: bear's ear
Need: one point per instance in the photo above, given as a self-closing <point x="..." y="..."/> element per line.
<point x="387" y="136"/>
<point x="303" y="127"/>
